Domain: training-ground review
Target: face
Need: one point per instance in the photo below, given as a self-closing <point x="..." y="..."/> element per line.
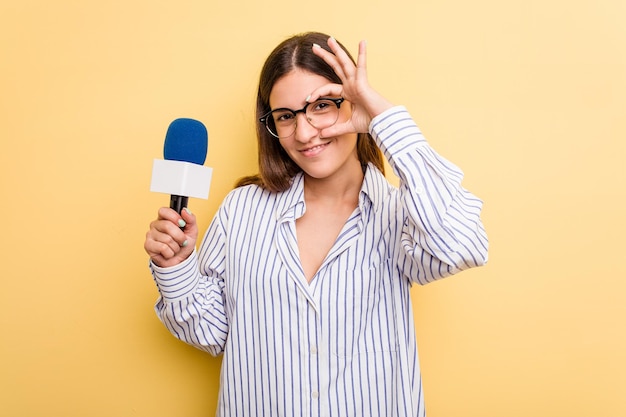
<point x="319" y="158"/>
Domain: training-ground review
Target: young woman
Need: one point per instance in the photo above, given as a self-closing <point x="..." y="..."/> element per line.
<point x="302" y="279"/>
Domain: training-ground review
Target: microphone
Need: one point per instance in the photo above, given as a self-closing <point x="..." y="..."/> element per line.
<point x="182" y="173"/>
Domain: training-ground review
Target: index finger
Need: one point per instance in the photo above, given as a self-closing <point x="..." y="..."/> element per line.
<point x="327" y="90"/>
<point x="167" y="213"/>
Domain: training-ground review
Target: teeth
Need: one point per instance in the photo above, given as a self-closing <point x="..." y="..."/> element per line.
<point x="313" y="148"/>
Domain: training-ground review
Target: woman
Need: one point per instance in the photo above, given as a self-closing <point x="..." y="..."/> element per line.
<point x="302" y="279"/>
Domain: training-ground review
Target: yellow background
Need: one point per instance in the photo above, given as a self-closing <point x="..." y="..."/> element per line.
<point x="528" y="97"/>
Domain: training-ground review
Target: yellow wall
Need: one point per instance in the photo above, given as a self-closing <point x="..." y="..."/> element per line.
<point x="528" y="97"/>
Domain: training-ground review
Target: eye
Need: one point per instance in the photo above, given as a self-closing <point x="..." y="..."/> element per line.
<point x="283" y="116"/>
<point x="321" y="106"/>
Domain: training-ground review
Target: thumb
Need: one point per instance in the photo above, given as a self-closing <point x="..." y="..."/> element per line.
<point x="354" y="125"/>
<point x="191" y="225"/>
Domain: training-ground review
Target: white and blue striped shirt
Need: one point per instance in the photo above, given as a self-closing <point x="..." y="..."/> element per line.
<point x="343" y="345"/>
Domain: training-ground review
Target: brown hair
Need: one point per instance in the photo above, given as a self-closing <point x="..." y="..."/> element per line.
<point x="276" y="169"/>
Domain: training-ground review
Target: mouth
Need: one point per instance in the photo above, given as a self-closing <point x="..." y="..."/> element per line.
<point x="314" y="150"/>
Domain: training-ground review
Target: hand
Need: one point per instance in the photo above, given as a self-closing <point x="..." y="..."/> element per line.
<point x="366" y="102"/>
<point x="168" y="244"/>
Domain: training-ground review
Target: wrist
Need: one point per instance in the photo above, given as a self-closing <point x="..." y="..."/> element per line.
<point x="377" y="104"/>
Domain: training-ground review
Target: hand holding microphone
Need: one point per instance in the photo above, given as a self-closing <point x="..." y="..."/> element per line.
<point x="167" y="243"/>
<point x="172" y="236"/>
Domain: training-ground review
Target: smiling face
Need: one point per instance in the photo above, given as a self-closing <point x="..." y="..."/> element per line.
<point x="319" y="158"/>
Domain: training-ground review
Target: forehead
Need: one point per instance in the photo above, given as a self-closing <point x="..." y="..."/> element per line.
<point x="292" y="89"/>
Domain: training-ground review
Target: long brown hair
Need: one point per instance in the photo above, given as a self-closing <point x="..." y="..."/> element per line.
<point x="276" y="169"/>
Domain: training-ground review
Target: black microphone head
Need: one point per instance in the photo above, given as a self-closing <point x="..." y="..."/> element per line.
<point x="187" y="141"/>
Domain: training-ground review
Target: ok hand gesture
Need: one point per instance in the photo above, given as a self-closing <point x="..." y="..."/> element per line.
<point x="366" y="102"/>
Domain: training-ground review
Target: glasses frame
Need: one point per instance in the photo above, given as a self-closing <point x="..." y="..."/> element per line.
<point x="263" y="119"/>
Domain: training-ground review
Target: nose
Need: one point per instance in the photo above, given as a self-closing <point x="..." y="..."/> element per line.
<point x="305" y="131"/>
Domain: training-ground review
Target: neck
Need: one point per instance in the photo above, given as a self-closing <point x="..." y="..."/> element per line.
<point x="340" y="189"/>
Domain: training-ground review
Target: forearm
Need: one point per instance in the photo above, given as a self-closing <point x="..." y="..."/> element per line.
<point x="443" y="217"/>
<point x="191" y="306"/>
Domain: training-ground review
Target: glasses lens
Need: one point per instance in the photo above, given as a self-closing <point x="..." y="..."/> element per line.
<point x="281" y="123"/>
<point x="322" y="113"/>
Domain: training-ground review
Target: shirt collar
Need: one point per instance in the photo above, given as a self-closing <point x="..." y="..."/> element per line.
<point x="374" y="190"/>
<point x="290" y="199"/>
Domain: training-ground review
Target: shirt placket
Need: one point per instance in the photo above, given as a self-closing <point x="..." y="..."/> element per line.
<point x="312" y="362"/>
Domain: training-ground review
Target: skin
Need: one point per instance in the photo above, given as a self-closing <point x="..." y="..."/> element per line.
<point x="332" y="171"/>
<point x="326" y="161"/>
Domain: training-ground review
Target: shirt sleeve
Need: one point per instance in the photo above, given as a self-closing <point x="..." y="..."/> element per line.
<point x="191" y="302"/>
<point x="442" y="230"/>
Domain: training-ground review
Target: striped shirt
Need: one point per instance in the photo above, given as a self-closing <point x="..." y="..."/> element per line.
<point x="343" y="345"/>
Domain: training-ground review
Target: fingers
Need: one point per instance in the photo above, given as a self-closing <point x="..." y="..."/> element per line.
<point x="189" y="219"/>
<point x="336" y="130"/>
<point x="361" y="62"/>
<point x="171" y="237"/>
<point x="354" y="87"/>
<point x="164" y="238"/>
<point x="353" y="125"/>
<point x="327" y="90"/>
<point x="353" y="77"/>
<point x="338" y="60"/>
<point x="341" y="64"/>
<point x="161" y="245"/>
<point x="185" y="220"/>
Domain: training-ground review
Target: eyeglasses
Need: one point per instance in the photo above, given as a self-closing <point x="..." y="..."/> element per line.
<point x="320" y="114"/>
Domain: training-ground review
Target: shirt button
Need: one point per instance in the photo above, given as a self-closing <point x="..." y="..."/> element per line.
<point x="315" y="394"/>
<point x="313" y="350"/>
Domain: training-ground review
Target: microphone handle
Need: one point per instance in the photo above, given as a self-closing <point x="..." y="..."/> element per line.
<point x="178" y="202"/>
